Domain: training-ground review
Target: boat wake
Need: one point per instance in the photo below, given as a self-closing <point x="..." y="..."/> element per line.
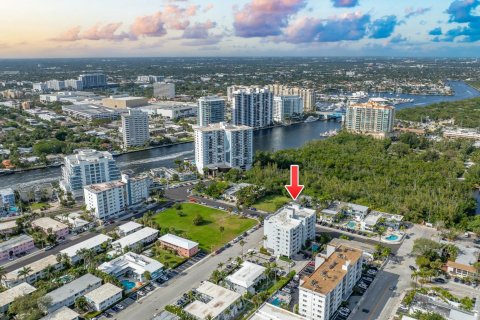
<point x="156" y="159"/>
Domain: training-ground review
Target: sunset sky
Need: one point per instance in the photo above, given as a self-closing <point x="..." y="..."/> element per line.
<point x="112" y="28"/>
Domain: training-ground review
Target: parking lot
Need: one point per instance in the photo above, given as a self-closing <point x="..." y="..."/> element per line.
<point x="190" y="262"/>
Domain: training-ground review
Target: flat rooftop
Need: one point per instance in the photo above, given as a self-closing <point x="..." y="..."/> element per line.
<point x="178" y="241"/>
<point x="90" y="109"/>
<point x="129" y="226"/>
<point x="221" y="299"/>
<point x="136" y="262"/>
<point x="64" y="313"/>
<point x="8" y="225"/>
<point x="135" y="237"/>
<point x="330" y="273"/>
<point x="36" y="266"/>
<point x="87" y="244"/>
<point x="247" y="274"/>
<point x="7" y="297"/>
<point x="13" y="242"/>
<point x="103" y="292"/>
<point x="222" y="126"/>
<point x="46" y="223"/>
<point x="102" y="187"/>
<point x="290" y="215"/>
<point x="73" y="288"/>
<point x="270" y="312"/>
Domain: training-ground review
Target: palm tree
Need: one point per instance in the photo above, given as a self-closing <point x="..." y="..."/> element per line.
<point x="48" y="271"/>
<point x="24" y="272"/>
<point x="222" y="229"/>
<point x="220" y="265"/>
<point x="414" y="277"/>
<point x="3" y="273"/>
<point x="242" y="243"/>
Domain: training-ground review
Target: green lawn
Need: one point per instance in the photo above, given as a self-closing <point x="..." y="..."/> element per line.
<point x="39" y="205"/>
<point x="271" y="203"/>
<point x="170" y="260"/>
<point x="208" y="234"/>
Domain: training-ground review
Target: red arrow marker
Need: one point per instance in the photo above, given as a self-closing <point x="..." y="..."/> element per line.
<point x="294" y="189"/>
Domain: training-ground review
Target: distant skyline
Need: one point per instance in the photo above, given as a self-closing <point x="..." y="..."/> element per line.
<point x="139" y="28"/>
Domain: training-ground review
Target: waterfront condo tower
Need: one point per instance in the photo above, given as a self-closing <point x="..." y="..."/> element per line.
<point x="135" y="128"/>
<point x="374" y="118"/>
<point x="222" y="145"/>
<point x="210" y="110"/>
<point x="286" y="107"/>
<point x="252" y="107"/>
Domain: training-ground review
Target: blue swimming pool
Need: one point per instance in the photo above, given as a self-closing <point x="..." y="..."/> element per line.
<point x="392" y="237"/>
<point x="351" y="224"/>
<point x="128" y="285"/>
<point x="276" y="302"/>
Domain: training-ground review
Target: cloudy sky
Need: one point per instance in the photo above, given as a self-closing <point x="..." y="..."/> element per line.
<point x="112" y="28"/>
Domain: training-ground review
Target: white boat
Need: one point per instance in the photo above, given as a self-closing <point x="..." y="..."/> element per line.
<point x="330" y="133"/>
<point x="311" y="119"/>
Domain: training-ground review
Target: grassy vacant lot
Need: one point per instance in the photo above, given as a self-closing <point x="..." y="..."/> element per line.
<point x="271" y="203"/>
<point x="39" y="206"/>
<point x="170" y="260"/>
<point x="207" y="234"/>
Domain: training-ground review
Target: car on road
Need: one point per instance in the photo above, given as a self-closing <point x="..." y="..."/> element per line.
<point x="365" y="310"/>
<point x="392" y="288"/>
<point x="439" y="280"/>
<point x="119" y="307"/>
<point x="412" y="268"/>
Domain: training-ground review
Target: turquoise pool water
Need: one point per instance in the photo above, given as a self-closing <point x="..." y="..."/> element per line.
<point x="392" y="237"/>
<point x="128" y="285"/>
<point x="276" y="302"/>
<point x="351" y="224"/>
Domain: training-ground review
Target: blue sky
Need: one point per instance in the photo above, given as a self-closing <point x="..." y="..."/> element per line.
<point x="96" y="28"/>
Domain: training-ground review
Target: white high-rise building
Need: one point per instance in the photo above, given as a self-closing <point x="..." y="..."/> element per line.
<point x="87" y="167"/>
<point x="223" y="145"/>
<point x="137" y="188"/>
<point x="308" y="95"/>
<point x="164" y="90"/>
<point x="106" y="200"/>
<point x="286" y="107"/>
<point x="55" y="85"/>
<point x="373" y="117"/>
<point x="39" y="86"/>
<point x="337" y="270"/>
<point x="74" y="84"/>
<point x="135" y="128"/>
<point x="210" y="110"/>
<point x="289" y="229"/>
<point x="252" y="107"/>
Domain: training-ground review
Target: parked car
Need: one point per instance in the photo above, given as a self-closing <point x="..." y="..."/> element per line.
<point x="439" y="280"/>
<point x="365" y="310"/>
<point x="363" y="286"/>
<point x="367" y="279"/>
<point x="412" y="268"/>
<point x="372" y="272"/>
<point x="119" y="306"/>
<point x="287" y="290"/>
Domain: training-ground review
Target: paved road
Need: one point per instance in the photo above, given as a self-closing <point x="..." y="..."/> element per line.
<point x="189" y="279"/>
<point x="379" y="299"/>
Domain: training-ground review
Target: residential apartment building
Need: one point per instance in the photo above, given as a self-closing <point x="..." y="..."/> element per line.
<point x="74" y="84"/>
<point x="106" y="200"/>
<point x="308" y="95"/>
<point x="55" y="85"/>
<point x="246" y="278"/>
<point x="87" y="167"/>
<point x="286" y="107"/>
<point x="8" y="296"/>
<point x="8" y="227"/>
<point x="164" y="90"/>
<point x="103" y="297"/>
<point x="48" y="225"/>
<point x="337" y="270"/>
<point x="66" y="295"/>
<point x="222" y="145"/>
<point x="128" y="228"/>
<point x="141" y="237"/>
<point x="96" y="243"/>
<point x="93" y="80"/>
<point x="7" y="199"/>
<point x="63" y="313"/>
<point x="372" y="118"/>
<point x="210" y="110"/>
<point x="17" y="245"/>
<point x="135" y="265"/>
<point x="215" y="302"/>
<point x="135" y="129"/>
<point x="38" y="271"/>
<point x="252" y="107"/>
<point x="150" y="79"/>
<point x="289" y="229"/>
<point x="183" y="247"/>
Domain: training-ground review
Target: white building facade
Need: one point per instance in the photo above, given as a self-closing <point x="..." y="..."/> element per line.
<point x="252" y="107"/>
<point x="286" y="107"/>
<point x="223" y="145"/>
<point x="371" y="117"/>
<point x="137" y="188"/>
<point x="106" y="200"/>
<point x="87" y="167"/>
<point x="289" y="229"/>
<point x="135" y="128"/>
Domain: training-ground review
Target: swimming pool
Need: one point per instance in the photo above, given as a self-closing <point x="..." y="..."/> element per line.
<point x="351" y="224"/>
<point x="392" y="237"/>
<point x="276" y="302"/>
<point x="128" y="285"/>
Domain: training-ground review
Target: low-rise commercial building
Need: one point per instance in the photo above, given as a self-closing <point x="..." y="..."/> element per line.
<point x="183" y="247"/>
<point x="216" y="303"/>
<point x="92" y="112"/>
<point x="8" y="296"/>
<point x="246" y="278"/>
<point x="128" y="228"/>
<point x="38" y="271"/>
<point x="141" y="237"/>
<point x="337" y="270"/>
<point x="124" y="102"/>
<point x="49" y="226"/>
<point x="172" y="109"/>
<point x="94" y="244"/>
<point x="17" y="245"/>
<point x="288" y="230"/>
<point x="66" y="295"/>
<point x="63" y="313"/>
<point x="133" y="264"/>
<point x="104" y="296"/>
